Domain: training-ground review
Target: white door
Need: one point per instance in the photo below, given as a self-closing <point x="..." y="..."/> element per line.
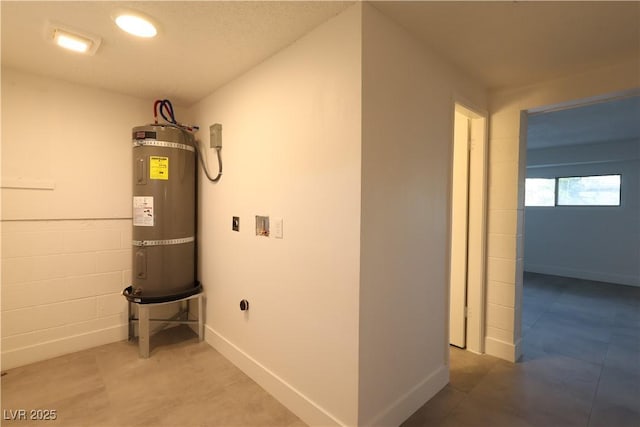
<point x="459" y="232"/>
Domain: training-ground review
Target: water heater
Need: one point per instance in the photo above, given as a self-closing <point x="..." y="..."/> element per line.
<point x="164" y="214"/>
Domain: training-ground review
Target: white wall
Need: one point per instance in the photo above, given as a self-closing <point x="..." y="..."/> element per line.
<point x="337" y="339"/>
<point x="65" y="249"/>
<point x="506" y="190"/>
<point x="594" y="243"/>
<point x="407" y="134"/>
<point x="291" y="149"/>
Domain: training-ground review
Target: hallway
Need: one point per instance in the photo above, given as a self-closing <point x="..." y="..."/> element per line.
<point x="581" y="364"/>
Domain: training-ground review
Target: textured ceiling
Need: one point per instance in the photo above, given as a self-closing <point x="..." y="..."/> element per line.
<point x="201" y="44"/>
<point x="509" y="43"/>
<point x="204" y="44"/>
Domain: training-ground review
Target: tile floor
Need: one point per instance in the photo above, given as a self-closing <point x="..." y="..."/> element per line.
<point x="184" y="383"/>
<point x="581" y="367"/>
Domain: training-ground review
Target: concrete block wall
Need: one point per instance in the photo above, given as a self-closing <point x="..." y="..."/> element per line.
<point x="61" y="285"/>
<point x="66" y="245"/>
<point x="505" y="237"/>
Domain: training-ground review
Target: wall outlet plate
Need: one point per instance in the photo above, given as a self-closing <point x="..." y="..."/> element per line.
<point x="276" y="228"/>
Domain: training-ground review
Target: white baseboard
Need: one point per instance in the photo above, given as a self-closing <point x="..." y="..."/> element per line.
<point x="396" y="413"/>
<point x="310" y="412"/>
<point x="50" y="349"/>
<point x="599" y="276"/>
<point x="503" y="350"/>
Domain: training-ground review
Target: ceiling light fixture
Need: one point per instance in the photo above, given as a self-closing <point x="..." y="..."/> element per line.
<point x="136" y="24"/>
<point x="72" y="39"/>
<point x="71" y="42"/>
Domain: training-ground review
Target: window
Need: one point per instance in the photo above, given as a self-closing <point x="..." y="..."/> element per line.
<point x="540" y="192"/>
<point x="596" y="190"/>
<point x="603" y="190"/>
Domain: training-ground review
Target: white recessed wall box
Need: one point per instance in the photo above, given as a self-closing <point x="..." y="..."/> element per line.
<point x="71" y="38"/>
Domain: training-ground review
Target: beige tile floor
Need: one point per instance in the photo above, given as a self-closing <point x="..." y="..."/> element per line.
<point x="184" y="383"/>
<point x="581" y="367"/>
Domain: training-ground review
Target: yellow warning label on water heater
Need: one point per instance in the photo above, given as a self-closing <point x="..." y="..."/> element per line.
<point x="158" y="167"/>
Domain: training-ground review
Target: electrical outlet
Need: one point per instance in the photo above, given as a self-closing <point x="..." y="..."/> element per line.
<point x="235" y="223"/>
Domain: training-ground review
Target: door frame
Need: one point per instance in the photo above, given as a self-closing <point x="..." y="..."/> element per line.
<point x="477" y="224"/>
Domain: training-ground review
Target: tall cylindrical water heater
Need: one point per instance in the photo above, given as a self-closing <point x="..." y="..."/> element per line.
<point x="164" y="213"/>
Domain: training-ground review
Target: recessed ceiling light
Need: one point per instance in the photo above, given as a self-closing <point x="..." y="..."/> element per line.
<point x="136" y="24"/>
<point x="71" y="39"/>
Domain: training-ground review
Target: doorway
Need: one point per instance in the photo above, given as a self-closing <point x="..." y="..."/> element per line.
<point x="580" y="261"/>
<point x="468" y="229"/>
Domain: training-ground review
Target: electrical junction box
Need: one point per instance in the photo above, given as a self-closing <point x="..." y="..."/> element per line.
<point x="215" y="135"/>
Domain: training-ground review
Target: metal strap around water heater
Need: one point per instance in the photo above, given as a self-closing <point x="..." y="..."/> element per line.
<point x="164" y="242"/>
<point x="155" y="143"/>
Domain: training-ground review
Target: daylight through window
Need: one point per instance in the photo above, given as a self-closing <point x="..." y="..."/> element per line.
<point x="603" y="190"/>
<point x="596" y="190"/>
<point x="540" y="192"/>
